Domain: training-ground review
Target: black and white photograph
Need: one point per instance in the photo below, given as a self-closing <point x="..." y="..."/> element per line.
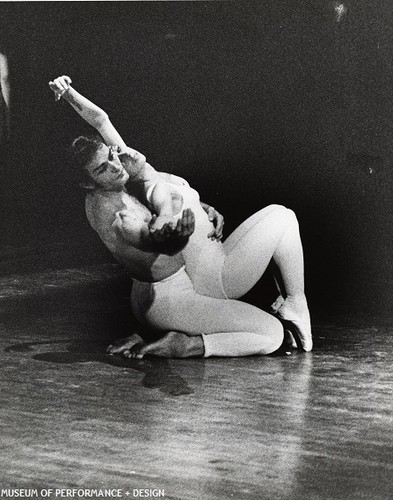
<point x="196" y="263"/>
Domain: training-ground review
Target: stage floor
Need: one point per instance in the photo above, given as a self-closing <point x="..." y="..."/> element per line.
<point x="305" y="426"/>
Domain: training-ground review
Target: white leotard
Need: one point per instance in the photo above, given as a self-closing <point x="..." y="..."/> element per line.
<point x="203" y="257"/>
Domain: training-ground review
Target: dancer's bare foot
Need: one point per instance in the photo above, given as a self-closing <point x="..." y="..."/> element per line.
<point x="296" y="318"/>
<point x="172" y="345"/>
<point x="123" y="346"/>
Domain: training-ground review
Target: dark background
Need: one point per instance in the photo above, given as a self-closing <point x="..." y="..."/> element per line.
<point x="252" y="102"/>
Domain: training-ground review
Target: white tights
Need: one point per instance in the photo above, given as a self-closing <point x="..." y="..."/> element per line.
<point x="192" y="305"/>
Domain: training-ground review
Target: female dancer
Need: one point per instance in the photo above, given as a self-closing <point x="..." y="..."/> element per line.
<point x="186" y="283"/>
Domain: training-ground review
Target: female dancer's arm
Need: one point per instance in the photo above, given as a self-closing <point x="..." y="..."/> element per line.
<point x="168" y="239"/>
<point x="214" y="216"/>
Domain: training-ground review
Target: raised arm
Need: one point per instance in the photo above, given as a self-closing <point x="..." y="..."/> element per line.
<point x="89" y="111"/>
<point x="134" y="163"/>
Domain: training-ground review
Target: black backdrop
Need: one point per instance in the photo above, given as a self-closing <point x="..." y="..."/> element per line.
<point x="253" y="102"/>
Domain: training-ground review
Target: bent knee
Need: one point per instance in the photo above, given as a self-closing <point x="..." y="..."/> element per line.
<point x="290" y="214"/>
<point x="272" y="336"/>
<point x="284" y="216"/>
<point x="275" y="207"/>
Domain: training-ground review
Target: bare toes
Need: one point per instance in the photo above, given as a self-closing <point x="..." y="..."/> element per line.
<point x="123" y="345"/>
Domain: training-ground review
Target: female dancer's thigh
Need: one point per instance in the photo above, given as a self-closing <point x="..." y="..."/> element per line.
<point x="250" y="248"/>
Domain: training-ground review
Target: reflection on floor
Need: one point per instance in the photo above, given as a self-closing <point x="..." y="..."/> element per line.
<point x="306" y="426"/>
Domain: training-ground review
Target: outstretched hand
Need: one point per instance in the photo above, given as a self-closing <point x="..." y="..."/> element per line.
<point x="159" y="221"/>
<point x="60" y="85"/>
<point x="173" y="238"/>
